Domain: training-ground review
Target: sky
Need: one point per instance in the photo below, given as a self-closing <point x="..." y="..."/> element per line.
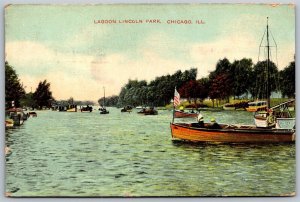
<point x="67" y="45"/>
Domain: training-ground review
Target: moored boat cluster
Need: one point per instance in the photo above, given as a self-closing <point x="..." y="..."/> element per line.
<point x="17" y="116"/>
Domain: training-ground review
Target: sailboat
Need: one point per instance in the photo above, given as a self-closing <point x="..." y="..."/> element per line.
<point x="103" y="110"/>
<point x="282" y="116"/>
<point x="233" y="133"/>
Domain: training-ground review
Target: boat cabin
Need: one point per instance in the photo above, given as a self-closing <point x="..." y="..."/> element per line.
<point x="257" y="106"/>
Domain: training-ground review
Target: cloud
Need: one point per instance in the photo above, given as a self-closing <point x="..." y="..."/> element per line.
<point x="82" y="76"/>
<point x="68" y="73"/>
<point x="234" y="47"/>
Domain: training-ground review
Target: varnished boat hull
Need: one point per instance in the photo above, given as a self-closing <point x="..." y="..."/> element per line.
<point x="187" y="133"/>
<point x="178" y="114"/>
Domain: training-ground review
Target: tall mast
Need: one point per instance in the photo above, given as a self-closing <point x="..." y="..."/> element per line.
<point x="268" y="65"/>
<point x="104" y="97"/>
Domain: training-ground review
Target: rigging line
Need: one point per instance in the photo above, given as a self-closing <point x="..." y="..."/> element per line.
<point x="275" y="48"/>
<point x="261" y="43"/>
<point x="277" y="83"/>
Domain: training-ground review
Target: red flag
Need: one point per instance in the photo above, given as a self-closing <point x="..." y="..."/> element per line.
<point x="176" y="98"/>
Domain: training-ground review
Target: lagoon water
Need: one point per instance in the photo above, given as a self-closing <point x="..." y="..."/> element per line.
<point x="127" y="154"/>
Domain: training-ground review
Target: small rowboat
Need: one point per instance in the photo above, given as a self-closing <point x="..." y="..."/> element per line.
<point x="181" y="114"/>
<point x="231" y="134"/>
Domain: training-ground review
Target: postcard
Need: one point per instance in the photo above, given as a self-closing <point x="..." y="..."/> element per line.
<point x="150" y="100"/>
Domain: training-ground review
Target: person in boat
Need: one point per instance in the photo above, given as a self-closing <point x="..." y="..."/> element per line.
<point x="214" y="124"/>
<point x="200" y="122"/>
<point x="270" y="119"/>
<point x="181" y="109"/>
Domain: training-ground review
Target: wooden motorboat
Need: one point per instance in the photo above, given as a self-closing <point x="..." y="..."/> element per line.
<point x="148" y="111"/>
<point x="86" y="109"/>
<point x="183" y="114"/>
<point x="17" y="115"/>
<point x="231" y="134"/>
<point x="126" y="109"/>
<point x="32" y="114"/>
<point x="103" y="111"/>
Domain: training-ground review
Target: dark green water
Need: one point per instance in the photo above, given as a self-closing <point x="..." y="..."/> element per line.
<point x="122" y="154"/>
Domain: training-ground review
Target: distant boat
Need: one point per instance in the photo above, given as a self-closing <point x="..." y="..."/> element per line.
<point x="17" y="115"/>
<point x="32" y="114"/>
<point x="86" y="109"/>
<point x="236" y="106"/>
<point x="103" y="110"/>
<point x="148" y="111"/>
<point x="126" y="109"/>
<point x="67" y="108"/>
<point x="72" y="108"/>
<point x="257" y="106"/>
<point x="182" y="114"/>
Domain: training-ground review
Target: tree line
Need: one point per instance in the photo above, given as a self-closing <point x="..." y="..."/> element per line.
<point x="236" y="79"/>
<point x="15" y="95"/>
<point x="157" y="92"/>
<point x="241" y="78"/>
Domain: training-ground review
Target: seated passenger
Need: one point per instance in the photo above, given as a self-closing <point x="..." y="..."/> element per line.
<point x="181" y="109"/>
<point x="271" y="119"/>
<point x="200" y="123"/>
<point x="214" y="124"/>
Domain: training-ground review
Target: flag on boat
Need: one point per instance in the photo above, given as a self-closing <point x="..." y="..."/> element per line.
<point x="176" y="98"/>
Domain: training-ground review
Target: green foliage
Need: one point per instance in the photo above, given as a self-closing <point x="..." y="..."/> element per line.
<point x="158" y="92"/>
<point x="14" y="90"/>
<point x="109" y="101"/>
<point x="221" y="80"/>
<point x="194" y="89"/>
<point x="43" y="95"/>
<point x="287" y="81"/>
<point x="228" y="80"/>
<point x="28" y="101"/>
<point x="71" y="101"/>
<point x="242" y="76"/>
<point x="260" y="88"/>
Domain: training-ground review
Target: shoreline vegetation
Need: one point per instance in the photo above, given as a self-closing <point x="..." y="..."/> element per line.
<point x="236" y="82"/>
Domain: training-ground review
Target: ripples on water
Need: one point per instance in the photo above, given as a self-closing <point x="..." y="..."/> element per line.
<point x="122" y="154"/>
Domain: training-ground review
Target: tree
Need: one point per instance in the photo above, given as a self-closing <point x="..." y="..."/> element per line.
<point x="260" y="88"/>
<point x="43" y="95"/>
<point x="158" y="92"/>
<point x="287" y="81"/>
<point x="242" y="74"/>
<point x="203" y="88"/>
<point x="219" y="89"/>
<point x="14" y="90"/>
<point x="189" y="90"/>
<point x="110" y="101"/>
<point x="70" y="100"/>
<point x="28" y="100"/>
<point x="221" y="80"/>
